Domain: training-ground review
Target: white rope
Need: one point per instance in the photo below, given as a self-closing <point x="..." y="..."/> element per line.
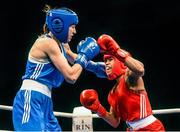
<point x="166" y="111"/>
<point x="62" y="114"/>
<point x="161" y="111"/>
<point x="70" y="115"/>
<point x="5" y="107"/>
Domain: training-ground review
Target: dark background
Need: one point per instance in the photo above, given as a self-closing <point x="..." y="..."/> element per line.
<point x="148" y="29"/>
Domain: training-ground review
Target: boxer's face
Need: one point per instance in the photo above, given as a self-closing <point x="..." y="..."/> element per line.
<point x="109" y="62"/>
<point x="72" y="32"/>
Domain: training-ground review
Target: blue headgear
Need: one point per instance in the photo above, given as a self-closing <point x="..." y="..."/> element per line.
<point x="58" y="22"/>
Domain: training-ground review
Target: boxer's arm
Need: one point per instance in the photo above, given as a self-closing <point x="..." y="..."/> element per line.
<point x="70" y="73"/>
<point x="71" y="56"/>
<point x="98" y="68"/>
<point x="111" y="118"/>
<point x="89" y="99"/>
<point x="133" y="76"/>
<point x="136" y="68"/>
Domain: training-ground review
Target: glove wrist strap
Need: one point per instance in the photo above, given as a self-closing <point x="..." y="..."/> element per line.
<point x="122" y="55"/>
<point x="101" y="111"/>
<point x="82" y="60"/>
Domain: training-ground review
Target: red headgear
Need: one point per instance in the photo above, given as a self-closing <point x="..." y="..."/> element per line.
<point x="117" y="69"/>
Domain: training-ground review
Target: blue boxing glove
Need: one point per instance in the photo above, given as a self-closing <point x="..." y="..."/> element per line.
<point x="97" y="68"/>
<point x="87" y="49"/>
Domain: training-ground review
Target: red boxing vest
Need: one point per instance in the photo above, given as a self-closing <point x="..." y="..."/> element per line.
<point x="129" y="105"/>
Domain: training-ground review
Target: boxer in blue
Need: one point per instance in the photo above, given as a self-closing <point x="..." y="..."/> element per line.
<point x="47" y="67"/>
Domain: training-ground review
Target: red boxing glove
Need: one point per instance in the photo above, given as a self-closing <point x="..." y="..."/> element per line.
<point x="89" y="99"/>
<point x="108" y="45"/>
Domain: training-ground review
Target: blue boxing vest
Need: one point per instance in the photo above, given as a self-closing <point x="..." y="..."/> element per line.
<point x="44" y="72"/>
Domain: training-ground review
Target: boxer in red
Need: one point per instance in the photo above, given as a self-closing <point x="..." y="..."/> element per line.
<point x="128" y="98"/>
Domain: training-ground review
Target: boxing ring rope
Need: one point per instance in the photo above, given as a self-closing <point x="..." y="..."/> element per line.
<point x="70" y="115"/>
<point x="82" y="118"/>
<point x="61" y="114"/>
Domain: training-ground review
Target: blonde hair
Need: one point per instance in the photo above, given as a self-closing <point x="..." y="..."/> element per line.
<point x="46" y="10"/>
